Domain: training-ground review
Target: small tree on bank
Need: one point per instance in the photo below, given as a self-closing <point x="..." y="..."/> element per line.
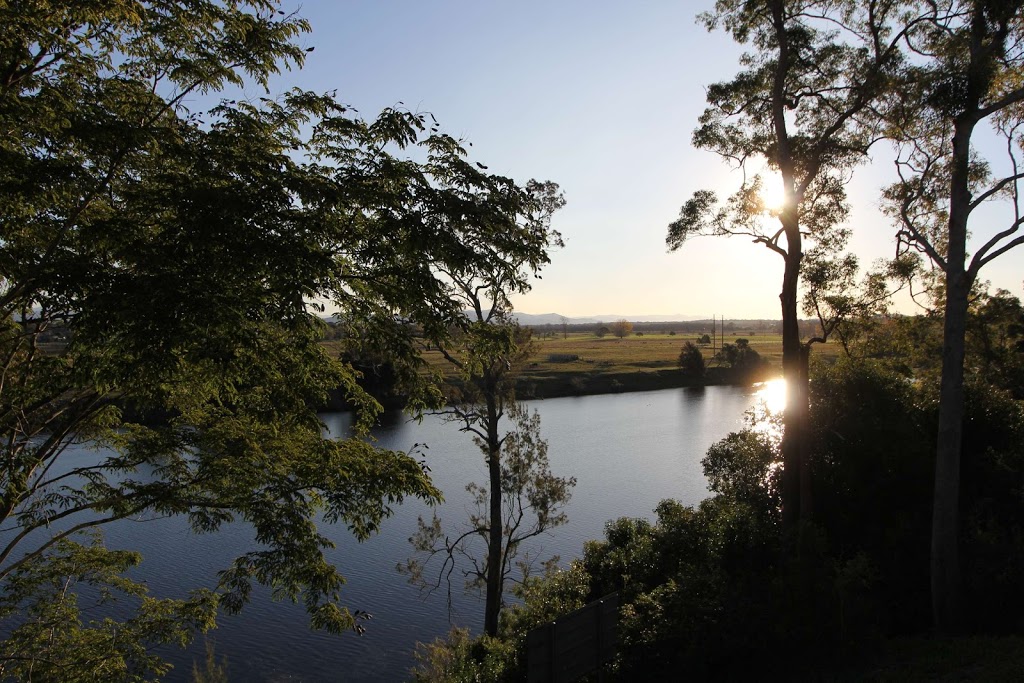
<point x="532" y="499"/>
<point x="744" y="361"/>
<point x="691" y="360"/>
<point x="622" y="328"/>
<point x="487" y="349"/>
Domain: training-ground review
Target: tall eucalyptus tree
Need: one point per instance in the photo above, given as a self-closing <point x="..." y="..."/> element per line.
<point x="804" y="107"/>
<point x="969" y="84"/>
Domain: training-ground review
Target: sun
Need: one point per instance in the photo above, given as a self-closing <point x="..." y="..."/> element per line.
<point x="773" y="193"/>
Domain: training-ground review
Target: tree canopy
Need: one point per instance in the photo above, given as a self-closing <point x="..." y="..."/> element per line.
<point x="185" y="254"/>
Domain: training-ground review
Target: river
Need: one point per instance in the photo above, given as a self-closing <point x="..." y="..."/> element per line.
<point x="627" y="451"/>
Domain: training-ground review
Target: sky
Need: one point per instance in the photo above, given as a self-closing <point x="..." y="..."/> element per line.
<point x="600" y="97"/>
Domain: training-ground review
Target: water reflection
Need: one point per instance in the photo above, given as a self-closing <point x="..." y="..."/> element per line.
<point x="772" y="393"/>
<point x="766" y="414"/>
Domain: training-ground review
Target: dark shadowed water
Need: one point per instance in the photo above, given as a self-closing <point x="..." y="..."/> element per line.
<point x="627" y="452"/>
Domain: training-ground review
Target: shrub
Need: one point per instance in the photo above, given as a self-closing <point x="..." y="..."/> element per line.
<point x="691" y="361"/>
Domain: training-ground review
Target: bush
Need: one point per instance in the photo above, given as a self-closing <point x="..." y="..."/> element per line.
<point x="458" y="658"/>
<point x="691" y="361"/>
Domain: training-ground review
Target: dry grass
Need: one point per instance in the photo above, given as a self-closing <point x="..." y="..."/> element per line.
<point x="587" y="353"/>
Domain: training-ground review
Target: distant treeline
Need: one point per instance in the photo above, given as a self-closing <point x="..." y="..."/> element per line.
<point x="731" y="327"/>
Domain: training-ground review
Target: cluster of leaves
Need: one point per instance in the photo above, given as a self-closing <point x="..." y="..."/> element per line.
<point x="911" y="345"/>
<point x="457" y="658"/>
<point x="46" y="600"/>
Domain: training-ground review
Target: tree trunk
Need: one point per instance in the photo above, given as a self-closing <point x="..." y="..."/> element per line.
<point x="792" y="422"/>
<point x="792" y="419"/>
<point x="945" y="560"/>
<point x="492" y="607"/>
<point x="803" y="401"/>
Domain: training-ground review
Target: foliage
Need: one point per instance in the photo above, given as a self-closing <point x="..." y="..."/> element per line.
<point x="502" y="659"/>
<point x="691" y="360"/>
<point x="180" y="254"/>
<point x="488" y="349"/>
<point x="212" y="671"/>
<point x="995" y="341"/>
<point x="460" y="659"/>
<point x="844" y="307"/>
<point x="745" y="466"/>
<point x="621" y="328"/>
<point x="745" y="362"/>
<point x="46" y="604"/>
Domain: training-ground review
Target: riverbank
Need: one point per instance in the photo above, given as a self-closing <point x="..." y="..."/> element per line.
<point x="552" y="384"/>
<point x="556" y="385"/>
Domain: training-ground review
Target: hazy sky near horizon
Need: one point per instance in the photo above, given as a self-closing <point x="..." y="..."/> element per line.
<point x="600" y="97"/>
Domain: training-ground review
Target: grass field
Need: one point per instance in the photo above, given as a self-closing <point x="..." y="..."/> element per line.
<point x="587" y="353"/>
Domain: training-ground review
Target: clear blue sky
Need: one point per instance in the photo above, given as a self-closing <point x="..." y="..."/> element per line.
<point x="600" y="97"/>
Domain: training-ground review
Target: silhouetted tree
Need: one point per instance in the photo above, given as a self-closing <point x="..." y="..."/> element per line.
<point x="803" y="108"/>
<point x="691" y="360"/>
<point x="532" y="500"/>
<point x="487" y="350"/>
<point x="969" y="76"/>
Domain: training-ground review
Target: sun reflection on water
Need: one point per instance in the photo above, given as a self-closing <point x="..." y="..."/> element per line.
<point x="773" y="394"/>
<point x="767" y="412"/>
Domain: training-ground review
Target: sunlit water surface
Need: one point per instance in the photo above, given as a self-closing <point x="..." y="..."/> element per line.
<point x="627" y="452"/>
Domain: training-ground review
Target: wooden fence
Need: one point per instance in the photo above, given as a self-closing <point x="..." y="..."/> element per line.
<point x="574" y="645"/>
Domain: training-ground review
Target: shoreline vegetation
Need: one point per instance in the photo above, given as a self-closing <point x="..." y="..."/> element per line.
<point x="580" y="363"/>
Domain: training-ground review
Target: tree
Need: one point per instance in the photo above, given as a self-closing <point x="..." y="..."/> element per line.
<point x="801" y="108"/>
<point x="179" y="252"/>
<point x="487" y="349"/>
<point x="622" y="328"/>
<point x="745" y="361"/>
<point x="971" y="77"/>
<point x="532" y="503"/>
<point x="691" y="361"/>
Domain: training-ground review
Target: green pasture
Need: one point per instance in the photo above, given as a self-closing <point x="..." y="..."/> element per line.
<point x="585" y="352"/>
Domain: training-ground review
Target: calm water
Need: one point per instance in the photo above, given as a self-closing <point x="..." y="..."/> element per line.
<point x="627" y="452"/>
